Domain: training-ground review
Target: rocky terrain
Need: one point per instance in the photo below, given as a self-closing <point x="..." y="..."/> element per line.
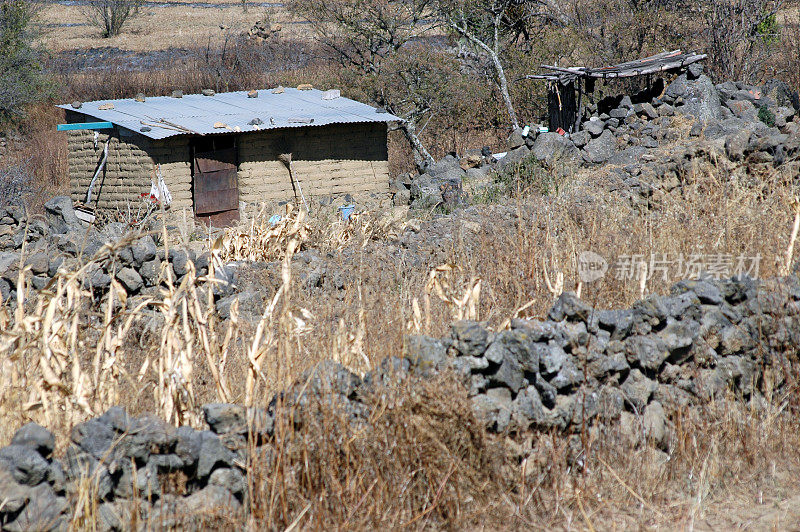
<point x="648" y="141"/>
<point x="58" y="239"/>
<point x="704" y="340"/>
<point x="580" y="367"/>
<point x="574" y="372"/>
<point x="645" y="144"/>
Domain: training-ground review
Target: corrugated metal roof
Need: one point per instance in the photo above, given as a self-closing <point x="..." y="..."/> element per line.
<point x="198" y="114"/>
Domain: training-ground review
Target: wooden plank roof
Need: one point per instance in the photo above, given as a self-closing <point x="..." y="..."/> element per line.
<point x="649" y="65"/>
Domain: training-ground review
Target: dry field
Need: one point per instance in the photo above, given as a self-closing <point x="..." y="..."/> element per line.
<point x="68" y="354"/>
<point x="161" y="25"/>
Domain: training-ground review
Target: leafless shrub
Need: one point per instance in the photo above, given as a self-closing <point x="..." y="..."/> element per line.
<point x="111" y="15"/>
<point x="612" y="31"/>
<point x="412" y="466"/>
<point x="16" y="182"/>
<point x="378" y="45"/>
<point x="786" y="63"/>
<point x="740" y="36"/>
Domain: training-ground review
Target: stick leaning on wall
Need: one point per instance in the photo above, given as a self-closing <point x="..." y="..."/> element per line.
<point x="97" y="172"/>
<point x="286" y="158"/>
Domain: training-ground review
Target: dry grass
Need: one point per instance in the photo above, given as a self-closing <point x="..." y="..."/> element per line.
<point x="715" y="212"/>
<point x="424" y="461"/>
<point x="42" y="153"/>
<point x="726" y="468"/>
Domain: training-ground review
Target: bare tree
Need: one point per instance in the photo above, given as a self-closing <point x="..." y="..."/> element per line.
<point x="613" y="31"/>
<point x="740" y="36"/>
<point x="111" y="15"/>
<point x="490" y="26"/>
<point x="375" y="38"/>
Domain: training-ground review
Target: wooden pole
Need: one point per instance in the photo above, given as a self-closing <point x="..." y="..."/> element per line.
<point x="579" y="114"/>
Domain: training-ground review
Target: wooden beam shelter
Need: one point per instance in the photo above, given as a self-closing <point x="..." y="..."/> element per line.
<point x="650" y="65"/>
<point x="563" y="105"/>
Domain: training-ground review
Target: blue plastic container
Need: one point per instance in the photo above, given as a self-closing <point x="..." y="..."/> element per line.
<point x="346" y="211"/>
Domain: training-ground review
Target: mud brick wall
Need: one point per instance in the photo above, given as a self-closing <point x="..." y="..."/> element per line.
<point x="326" y="160"/>
<point x="130" y="168"/>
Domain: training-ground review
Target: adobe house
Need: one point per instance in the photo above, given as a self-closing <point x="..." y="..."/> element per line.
<point x="213" y="151"/>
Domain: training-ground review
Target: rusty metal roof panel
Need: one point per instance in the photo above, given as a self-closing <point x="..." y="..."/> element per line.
<point x="231" y="112"/>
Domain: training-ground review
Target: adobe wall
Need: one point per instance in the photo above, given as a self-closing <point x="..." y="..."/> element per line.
<point x="130" y="167"/>
<point x="327" y="160"/>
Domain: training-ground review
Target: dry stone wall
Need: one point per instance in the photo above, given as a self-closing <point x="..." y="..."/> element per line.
<point x="59" y="240"/>
<point x="705" y="340"/>
<point x="640" y="138"/>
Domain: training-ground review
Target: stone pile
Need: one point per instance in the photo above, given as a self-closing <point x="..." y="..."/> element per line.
<point x="120" y="460"/>
<point x="578" y="367"/>
<point x="732" y="124"/>
<point x="59" y="240"/>
<point x="619" y="130"/>
<point x="439" y="185"/>
<point x="262" y="30"/>
<point x="706" y="339"/>
<point x="144" y="470"/>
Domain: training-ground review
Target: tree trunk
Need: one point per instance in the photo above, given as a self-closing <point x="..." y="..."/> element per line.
<point x="421" y="155"/>
<point x="501" y="78"/>
<point x="498" y="68"/>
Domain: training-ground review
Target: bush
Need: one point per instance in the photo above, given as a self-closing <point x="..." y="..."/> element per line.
<point x="22" y="78"/>
<point x="739" y="36"/>
<point x="111" y="15"/>
<point x="766" y="116"/>
<point x="529" y="177"/>
<point x="16" y="182"/>
<point x="769" y="29"/>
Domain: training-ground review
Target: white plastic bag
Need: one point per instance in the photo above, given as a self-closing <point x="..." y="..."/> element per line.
<point x="159" y="190"/>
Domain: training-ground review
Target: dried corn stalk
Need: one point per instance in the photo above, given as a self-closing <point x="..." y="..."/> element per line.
<point x="43" y="339"/>
<point x="294" y="232"/>
<point x="349" y="346"/>
<point x="262" y="239"/>
<point x="40" y="349"/>
<point x="363" y="226"/>
<point x="463" y="303"/>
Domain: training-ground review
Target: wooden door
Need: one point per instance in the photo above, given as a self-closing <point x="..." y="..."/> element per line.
<point x="216" y="185"/>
